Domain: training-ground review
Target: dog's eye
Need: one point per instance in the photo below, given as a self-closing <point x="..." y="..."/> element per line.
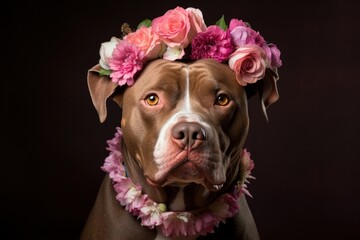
<point x="152" y="100"/>
<point x="222" y="100"/>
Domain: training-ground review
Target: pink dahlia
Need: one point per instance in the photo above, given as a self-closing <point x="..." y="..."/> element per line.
<point x="126" y="61"/>
<point x="213" y="43"/>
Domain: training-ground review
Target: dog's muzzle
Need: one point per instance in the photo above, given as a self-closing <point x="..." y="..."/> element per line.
<point x="191" y="154"/>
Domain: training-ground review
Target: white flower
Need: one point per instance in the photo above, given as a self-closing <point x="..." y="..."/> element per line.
<point x="173" y="53"/>
<point x="106" y="51"/>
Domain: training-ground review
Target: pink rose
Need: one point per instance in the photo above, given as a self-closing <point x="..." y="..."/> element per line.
<point x="173" y="27"/>
<point x="126" y="61"/>
<point x="146" y="40"/>
<point x="213" y="43"/>
<point x="196" y="20"/>
<point x="249" y="64"/>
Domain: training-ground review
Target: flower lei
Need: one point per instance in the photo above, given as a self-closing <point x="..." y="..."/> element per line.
<point x="154" y="214"/>
<point x="182" y="34"/>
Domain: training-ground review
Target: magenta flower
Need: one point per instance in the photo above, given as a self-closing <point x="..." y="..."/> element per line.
<point x="273" y="53"/>
<point x="213" y="43"/>
<point x="236" y="22"/>
<point x="242" y="35"/>
<point x="126" y="61"/>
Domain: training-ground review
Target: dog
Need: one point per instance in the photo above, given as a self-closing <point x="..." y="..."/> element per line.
<point x="184" y="126"/>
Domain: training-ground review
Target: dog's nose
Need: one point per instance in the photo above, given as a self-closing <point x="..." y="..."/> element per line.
<point x="188" y="134"/>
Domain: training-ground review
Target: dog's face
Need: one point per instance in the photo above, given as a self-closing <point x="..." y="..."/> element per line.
<point x="185" y="123"/>
<point x="184" y="126"/>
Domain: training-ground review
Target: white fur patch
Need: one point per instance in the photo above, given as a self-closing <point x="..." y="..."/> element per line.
<point x="185" y="113"/>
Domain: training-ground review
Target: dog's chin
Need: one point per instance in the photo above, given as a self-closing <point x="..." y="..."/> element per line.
<point x="185" y="174"/>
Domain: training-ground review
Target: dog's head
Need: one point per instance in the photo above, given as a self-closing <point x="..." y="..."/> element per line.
<point x="184" y="126"/>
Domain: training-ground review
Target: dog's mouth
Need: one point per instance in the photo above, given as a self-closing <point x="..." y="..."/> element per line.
<point x="186" y="169"/>
<point x="207" y="184"/>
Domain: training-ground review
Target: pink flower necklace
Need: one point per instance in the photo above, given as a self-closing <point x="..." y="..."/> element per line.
<point x="154" y="214"/>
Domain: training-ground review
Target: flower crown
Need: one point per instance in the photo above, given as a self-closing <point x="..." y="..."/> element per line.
<point x="182" y="34"/>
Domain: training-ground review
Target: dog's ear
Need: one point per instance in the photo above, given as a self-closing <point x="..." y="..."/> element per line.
<point x="266" y="88"/>
<point x="101" y="88"/>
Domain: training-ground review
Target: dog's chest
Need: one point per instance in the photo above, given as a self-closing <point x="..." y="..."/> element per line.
<point x="178" y="204"/>
<point x="160" y="236"/>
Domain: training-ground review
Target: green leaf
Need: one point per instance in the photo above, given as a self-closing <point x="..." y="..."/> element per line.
<point x="104" y="72"/>
<point x="221" y="23"/>
<point x="146" y="23"/>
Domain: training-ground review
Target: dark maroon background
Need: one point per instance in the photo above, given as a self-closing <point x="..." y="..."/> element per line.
<point x="306" y="156"/>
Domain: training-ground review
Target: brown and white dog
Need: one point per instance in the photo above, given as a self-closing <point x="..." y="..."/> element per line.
<point x="184" y="126"/>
